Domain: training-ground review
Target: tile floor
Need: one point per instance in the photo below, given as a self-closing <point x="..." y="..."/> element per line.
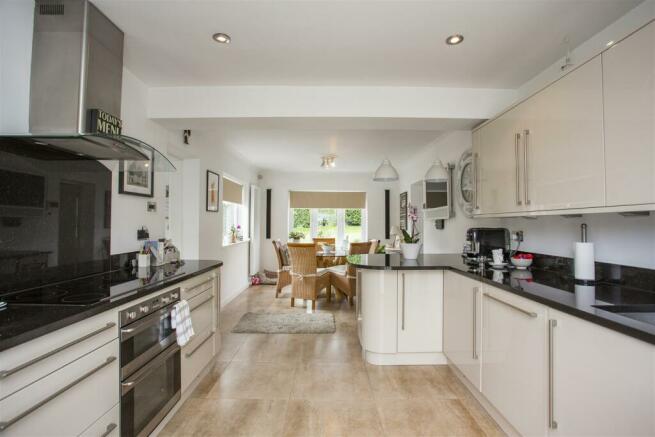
<point x="318" y="385"/>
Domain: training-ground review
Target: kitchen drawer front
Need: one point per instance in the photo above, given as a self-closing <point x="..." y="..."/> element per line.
<point x="196" y="355"/>
<point x="29" y="362"/>
<point x="108" y="425"/>
<point x="195" y="286"/>
<point x="202" y="311"/>
<point x="67" y="401"/>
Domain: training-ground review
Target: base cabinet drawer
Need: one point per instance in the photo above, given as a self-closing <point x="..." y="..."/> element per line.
<point x="107" y="426"/>
<point x="196" y="355"/>
<point x="202" y="311"/>
<point x="67" y="401"/>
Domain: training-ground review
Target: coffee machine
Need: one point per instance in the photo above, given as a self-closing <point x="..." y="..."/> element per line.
<point x="481" y="241"/>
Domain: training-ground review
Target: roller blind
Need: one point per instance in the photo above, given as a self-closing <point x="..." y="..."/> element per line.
<point x="327" y="199"/>
<point x="232" y="191"/>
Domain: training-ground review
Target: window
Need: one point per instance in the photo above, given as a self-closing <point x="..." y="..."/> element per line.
<point x="339" y="223"/>
<point x="235" y="215"/>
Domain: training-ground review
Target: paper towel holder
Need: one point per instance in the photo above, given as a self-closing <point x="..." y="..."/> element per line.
<point x="583" y="232"/>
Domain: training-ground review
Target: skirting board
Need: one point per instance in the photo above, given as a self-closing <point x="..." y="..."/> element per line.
<point x="405" y="359"/>
<point x="493" y="412"/>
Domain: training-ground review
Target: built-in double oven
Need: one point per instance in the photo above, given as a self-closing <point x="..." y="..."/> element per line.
<point x="150" y="364"/>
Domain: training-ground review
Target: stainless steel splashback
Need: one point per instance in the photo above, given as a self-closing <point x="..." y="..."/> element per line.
<point x="77" y="65"/>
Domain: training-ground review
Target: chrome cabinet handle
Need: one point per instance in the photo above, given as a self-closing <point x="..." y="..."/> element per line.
<point x="8" y="423"/>
<point x="526" y="166"/>
<point x="403" y="313"/>
<point x="110" y="428"/>
<point x="476" y="183"/>
<point x="193" y="351"/>
<point x="526" y="312"/>
<point x="517" y="141"/>
<point x="475" y="322"/>
<point x="196" y="305"/>
<point x="551" y="374"/>
<point x="9" y="372"/>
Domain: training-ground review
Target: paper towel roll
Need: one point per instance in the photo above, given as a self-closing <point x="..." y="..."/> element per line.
<point x="584" y="261"/>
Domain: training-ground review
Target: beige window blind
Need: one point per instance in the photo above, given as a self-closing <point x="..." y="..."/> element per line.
<point x="327" y="199"/>
<point x="232" y="191"/>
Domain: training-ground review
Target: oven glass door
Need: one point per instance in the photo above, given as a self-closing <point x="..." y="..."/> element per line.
<point x="145" y="339"/>
<point x="150" y="393"/>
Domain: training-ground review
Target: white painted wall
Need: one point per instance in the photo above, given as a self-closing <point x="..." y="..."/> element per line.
<point x="447" y="148"/>
<point x="281" y="183"/>
<point x="211" y="154"/>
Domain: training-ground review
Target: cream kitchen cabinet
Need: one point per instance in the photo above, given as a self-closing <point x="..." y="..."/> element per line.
<point x="514" y="372"/>
<point x="629" y="90"/>
<point x="400" y="316"/>
<point x="603" y="382"/>
<point x="563" y="143"/>
<point x="499" y="163"/>
<point x="463" y="325"/>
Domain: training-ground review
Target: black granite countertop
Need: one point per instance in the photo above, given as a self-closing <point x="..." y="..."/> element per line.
<point x="552" y="288"/>
<point x="21" y="322"/>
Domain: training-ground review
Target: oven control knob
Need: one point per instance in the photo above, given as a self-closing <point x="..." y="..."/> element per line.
<point x="144" y="309"/>
<point x="131" y="315"/>
<point x="165" y="299"/>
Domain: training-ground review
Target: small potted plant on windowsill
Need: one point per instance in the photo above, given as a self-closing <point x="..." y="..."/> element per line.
<point x="296" y="236"/>
<point x="410" y="245"/>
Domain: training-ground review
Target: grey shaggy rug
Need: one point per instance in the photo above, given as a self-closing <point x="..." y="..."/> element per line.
<point x="286" y="323"/>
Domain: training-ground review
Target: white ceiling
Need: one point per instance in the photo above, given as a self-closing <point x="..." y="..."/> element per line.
<point x="352" y="42"/>
<point x="297" y="144"/>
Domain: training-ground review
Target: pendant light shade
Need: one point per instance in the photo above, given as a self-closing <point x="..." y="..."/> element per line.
<point x="385" y="172"/>
<point x="437" y="172"/>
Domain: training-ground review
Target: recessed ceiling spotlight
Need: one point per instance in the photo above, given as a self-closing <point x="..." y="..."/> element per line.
<point x="453" y="40"/>
<point x="223" y="38"/>
<point x="610" y="43"/>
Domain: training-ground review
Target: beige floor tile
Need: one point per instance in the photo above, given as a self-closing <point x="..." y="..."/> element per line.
<point x="209" y="380"/>
<point x="410" y="382"/>
<point x="230" y="344"/>
<point x="342" y="418"/>
<point x="271" y="348"/>
<point x="227" y="417"/>
<point x="327" y="348"/>
<point x="253" y="381"/>
<point x="426" y="417"/>
<point x="331" y="382"/>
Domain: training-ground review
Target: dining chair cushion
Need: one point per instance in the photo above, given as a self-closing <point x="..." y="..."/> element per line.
<point x="339" y="270"/>
<point x="322" y="271"/>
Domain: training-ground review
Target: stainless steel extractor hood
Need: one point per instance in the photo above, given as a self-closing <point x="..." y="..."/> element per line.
<point x="75" y="89"/>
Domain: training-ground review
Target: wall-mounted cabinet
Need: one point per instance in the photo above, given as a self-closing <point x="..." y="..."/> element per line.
<point x="584" y="143"/>
<point x="629" y="91"/>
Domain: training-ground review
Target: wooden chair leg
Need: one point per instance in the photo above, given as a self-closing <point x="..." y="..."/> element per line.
<point x="277" y="290"/>
<point x="313" y="305"/>
<point x="350" y="301"/>
<point x="328" y="290"/>
<point x="292" y="301"/>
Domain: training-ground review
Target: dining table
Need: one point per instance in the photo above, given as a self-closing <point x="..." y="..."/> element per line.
<point x="331" y="258"/>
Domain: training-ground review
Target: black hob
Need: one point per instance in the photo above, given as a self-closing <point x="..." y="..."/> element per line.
<point x="88" y="290"/>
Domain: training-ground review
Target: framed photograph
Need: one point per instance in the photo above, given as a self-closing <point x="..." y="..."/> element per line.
<point x="403" y="211"/>
<point x="213" y="180"/>
<point x="137" y="177"/>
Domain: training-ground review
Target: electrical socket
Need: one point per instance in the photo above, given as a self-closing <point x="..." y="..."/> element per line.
<point x="517" y="236"/>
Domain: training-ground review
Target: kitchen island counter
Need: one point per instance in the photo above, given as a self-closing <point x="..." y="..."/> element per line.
<point x="549" y="287"/>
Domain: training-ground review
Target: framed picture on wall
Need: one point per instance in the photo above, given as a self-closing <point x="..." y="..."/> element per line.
<point x="137" y="177"/>
<point x="213" y="180"/>
<point x="403" y="211"/>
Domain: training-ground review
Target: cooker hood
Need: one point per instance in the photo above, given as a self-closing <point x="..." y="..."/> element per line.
<point x="75" y="89"/>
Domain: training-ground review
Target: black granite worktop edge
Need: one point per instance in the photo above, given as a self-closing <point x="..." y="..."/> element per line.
<point x="20" y="325"/>
<point x="550" y="288"/>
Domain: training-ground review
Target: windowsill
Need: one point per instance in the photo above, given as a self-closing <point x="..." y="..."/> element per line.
<point x="245" y="240"/>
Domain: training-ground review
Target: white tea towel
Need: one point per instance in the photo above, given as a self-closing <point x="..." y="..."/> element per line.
<point x="181" y="322"/>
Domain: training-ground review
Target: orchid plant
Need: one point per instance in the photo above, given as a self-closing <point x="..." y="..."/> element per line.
<point x="412" y="215"/>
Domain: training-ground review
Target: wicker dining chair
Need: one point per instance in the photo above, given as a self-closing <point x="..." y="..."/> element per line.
<point x="343" y="278"/>
<point x="307" y="280"/>
<point x="283" y="268"/>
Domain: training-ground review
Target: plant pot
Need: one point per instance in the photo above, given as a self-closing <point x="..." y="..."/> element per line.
<point x="296" y="240"/>
<point x="410" y="250"/>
